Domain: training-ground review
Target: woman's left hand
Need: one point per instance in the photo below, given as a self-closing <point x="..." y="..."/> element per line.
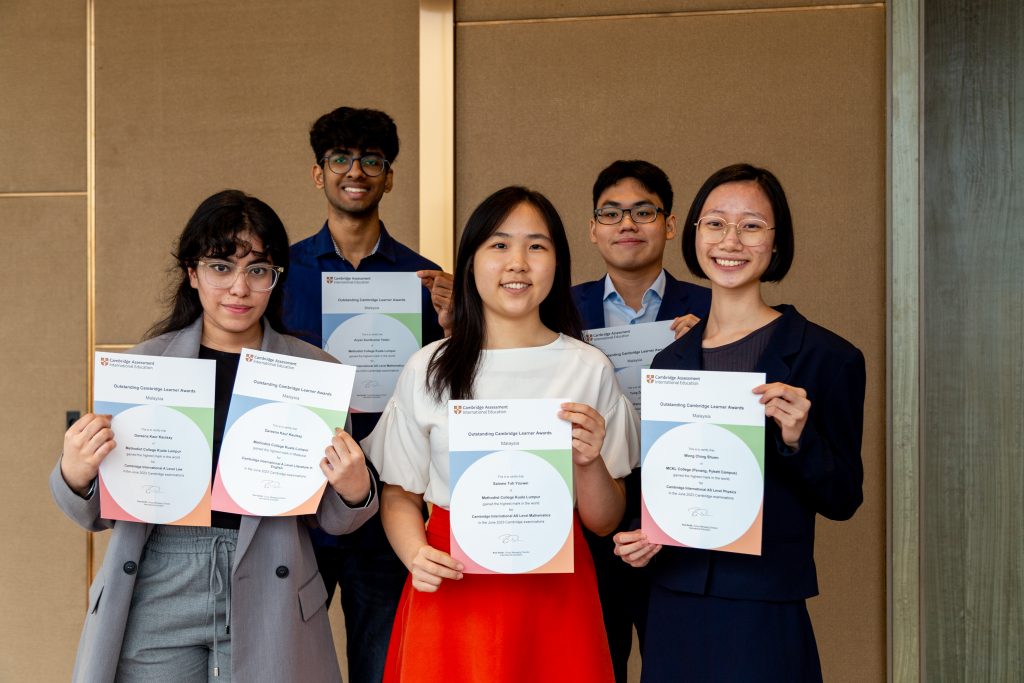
<point x="345" y="468"/>
<point x="587" y="432"/>
<point x="789" y="407"/>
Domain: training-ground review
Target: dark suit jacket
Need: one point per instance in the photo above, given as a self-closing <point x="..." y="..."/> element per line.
<point x="824" y="476"/>
<point x="680" y="298"/>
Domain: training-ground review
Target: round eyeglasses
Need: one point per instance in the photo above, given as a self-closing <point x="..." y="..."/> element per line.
<point x="750" y="231"/>
<point x="371" y="164"/>
<point x="261" y="277"/>
<point x="611" y="215"/>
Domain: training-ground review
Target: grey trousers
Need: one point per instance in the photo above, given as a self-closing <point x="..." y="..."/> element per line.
<point x="178" y="629"/>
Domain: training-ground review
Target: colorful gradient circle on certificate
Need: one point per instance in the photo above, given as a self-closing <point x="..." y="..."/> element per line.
<point x="160" y="468"/>
<point x="702" y="485"/>
<point x="270" y="458"/>
<point x="517" y="535"/>
<point x="378" y="346"/>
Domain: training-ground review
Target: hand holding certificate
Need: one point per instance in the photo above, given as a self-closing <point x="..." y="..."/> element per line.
<point x="162" y="408"/>
<point x="702" y="459"/>
<point x="284" y="411"/>
<point x="511" y="481"/>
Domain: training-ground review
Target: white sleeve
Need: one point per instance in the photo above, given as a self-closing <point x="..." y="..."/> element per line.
<point x="399" y="446"/>
<point x="621" y="449"/>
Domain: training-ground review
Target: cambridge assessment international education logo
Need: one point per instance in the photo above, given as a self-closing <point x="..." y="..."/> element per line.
<point x="104" y="361"/>
<point x="457" y="410"/>
<point x="248" y="358"/>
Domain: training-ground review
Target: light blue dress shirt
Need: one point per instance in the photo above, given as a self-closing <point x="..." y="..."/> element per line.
<point x="616" y="312"/>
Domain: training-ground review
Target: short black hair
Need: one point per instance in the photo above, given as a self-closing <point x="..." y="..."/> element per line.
<point x="784" y="248"/>
<point x="652" y="178"/>
<point x="354" y="128"/>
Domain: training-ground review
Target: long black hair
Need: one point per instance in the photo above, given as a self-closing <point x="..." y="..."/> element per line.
<point x="216" y="230"/>
<point x="452" y="367"/>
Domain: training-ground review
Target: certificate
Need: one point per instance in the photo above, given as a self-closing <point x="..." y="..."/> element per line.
<point x="511" y="486"/>
<point x="282" y="416"/>
<point x="702" y="459"/>
<point x="373" y="321"/>
<point x="631" y="348"/>
<point x="159" y="471"/>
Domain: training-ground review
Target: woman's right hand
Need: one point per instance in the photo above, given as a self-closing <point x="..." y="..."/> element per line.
<point x="431" y="566"/>
<point x="634" y="548"/>
<point x="86" y="444"/>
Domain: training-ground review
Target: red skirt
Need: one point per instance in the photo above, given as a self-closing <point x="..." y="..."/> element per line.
<point x="498" y="628"/>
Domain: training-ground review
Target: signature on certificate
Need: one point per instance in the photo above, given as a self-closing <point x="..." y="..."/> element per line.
<point x="699" y="512"/>
<point x="271" y="484"/>
<point x="509" y="538"/>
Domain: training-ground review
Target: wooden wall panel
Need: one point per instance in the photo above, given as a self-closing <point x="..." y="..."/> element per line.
<point x="489" y="10"/>
<point x="549" y="104"/>
<point x="42" y="78"/>
<point x="973" y="342"/>
<point x="195" y="97"/>
<point x="43" y="338"/>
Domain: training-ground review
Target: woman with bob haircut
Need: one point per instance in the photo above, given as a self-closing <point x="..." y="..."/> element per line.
<point x="515" y="334"/>
<point x="241" y="599"/>
<point x="734" y="617"/>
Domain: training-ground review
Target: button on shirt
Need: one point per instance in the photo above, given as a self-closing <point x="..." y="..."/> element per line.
<point x="302" y="291"/>
<point x="617" y="312"/>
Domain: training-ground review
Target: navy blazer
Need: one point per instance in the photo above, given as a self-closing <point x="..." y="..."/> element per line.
<point x="680" y="298"/>
<point x="823" y="476"/>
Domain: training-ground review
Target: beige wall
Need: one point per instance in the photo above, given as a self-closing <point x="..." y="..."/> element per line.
<point x="194" y="97"/>
<point x="549" y="103"/>
<point x="190" y="98"/>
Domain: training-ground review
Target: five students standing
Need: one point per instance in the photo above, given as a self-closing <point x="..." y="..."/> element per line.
<point x="511" y="330"/>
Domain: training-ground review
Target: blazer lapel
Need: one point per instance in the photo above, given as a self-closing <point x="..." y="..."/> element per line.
<point x="784" y="344"/>
<point x="688" y="347"/>
<point x="673" y="301"/>
<point x="592" y="305"/>
<point x="272" y="343"/>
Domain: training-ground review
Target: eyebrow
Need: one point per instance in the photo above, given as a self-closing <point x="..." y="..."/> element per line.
<point x="617" y="205"/>
<point x="531" y="236"/>
<point x="755" y="214"/>
<point x="353" y="150"/>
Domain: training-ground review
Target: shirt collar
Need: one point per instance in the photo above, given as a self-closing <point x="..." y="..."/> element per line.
<point x="385" y="246"/>
<point x="658" y="287"/>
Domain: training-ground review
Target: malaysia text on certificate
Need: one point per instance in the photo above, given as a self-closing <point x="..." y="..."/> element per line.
<point x="511" y="486"/>
<point x="631" y="348"/>
<point x="373" y="321"/>
<point x="159" y="471"/>
<point x="702" y="459"/>
<point x="282" y="416"/>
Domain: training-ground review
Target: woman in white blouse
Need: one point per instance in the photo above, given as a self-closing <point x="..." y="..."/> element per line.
<point x="515" y="335"/>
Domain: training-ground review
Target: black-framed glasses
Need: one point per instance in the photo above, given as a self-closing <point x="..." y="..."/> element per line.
<point x="642" y="213"/>
<point x="750" y="231"/>
<point x="371" y="164"/>
<point x="261" y="277"/>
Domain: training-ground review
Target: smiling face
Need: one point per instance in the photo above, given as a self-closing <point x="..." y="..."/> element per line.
<point x="513" y="270"/>
<point x="353" y="193"/>
<point x="628" y="246"/>
<point x="729" y="263"/>
<point x="232" y="314"/>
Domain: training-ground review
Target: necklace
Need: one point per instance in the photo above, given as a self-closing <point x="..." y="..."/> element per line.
<point x="337" y="249"/>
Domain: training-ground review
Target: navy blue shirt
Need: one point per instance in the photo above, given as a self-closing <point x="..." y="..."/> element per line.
<point x="302" y="292"/>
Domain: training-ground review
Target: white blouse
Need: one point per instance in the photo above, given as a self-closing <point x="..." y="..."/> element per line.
<point x="409" y="447"/>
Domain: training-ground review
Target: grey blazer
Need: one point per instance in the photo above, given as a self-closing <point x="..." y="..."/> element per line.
<point x="279" y="626"/>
